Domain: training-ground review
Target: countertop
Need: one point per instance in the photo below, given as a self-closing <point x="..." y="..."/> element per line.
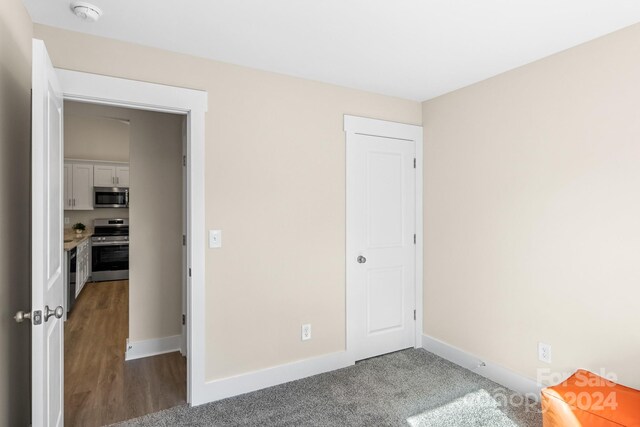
<point x="70" y="234"/>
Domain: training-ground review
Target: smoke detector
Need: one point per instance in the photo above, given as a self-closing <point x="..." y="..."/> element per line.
<point x="86" y="11"/>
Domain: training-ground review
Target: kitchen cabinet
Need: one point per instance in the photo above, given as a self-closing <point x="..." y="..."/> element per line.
<point x="122" y="176"/>
<point x="78" y="186"/>
<point x="110" y="175"/>
<point x="83" y="266"/>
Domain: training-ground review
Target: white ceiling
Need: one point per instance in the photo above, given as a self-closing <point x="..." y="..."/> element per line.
<point x="415" y="49"/>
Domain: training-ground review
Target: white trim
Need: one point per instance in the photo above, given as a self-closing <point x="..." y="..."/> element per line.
<point x="97" y="89"/>
<point x="375" y="127"/>
<point x="269" y="377"/>
<point x="115" y="91"/>
<point x="146" y="348"/>
<point x="406" y="132"/>
<point x="487" y="369"/>
<point x="185" y="232"/>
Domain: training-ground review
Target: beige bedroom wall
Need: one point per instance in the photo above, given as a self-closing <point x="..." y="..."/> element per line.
<point x="532" y="208"/>
<point x="15" y="127"/>
<point x="275" y="185"/>
<point x="153" y="144"/>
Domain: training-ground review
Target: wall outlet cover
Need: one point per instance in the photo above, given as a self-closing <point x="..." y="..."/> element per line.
<point x="544" y="352"/>
<point x="306" y="332"/>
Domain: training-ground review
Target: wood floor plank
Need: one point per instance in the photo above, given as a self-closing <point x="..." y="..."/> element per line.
<point x="100" y="386"/>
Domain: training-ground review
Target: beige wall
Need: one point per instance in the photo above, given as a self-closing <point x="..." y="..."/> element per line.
<point x="532" y="212"/>
<point x="89" y="137"/>
<point x="275" y="185"/>
<point x="94" y="134"/>
<point x="155" y="270"/>
<point x="152" y="144"/>
<point x="15" y="86"/>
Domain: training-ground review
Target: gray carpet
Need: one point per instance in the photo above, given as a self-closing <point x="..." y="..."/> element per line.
<point x="408" y="388"/>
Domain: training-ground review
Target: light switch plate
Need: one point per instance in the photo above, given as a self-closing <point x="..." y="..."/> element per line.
<point x="215" y="238"/>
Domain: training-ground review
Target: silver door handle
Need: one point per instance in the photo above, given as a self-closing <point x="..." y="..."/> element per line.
<point x="57" y="312"/>
<point x="21" y="315"/>
<point x="361" y="259"/>
<point x="117" y="180"/>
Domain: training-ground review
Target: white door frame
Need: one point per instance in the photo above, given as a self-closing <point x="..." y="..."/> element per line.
<point x="118" y="92"/>
<point x="354" y="125"/>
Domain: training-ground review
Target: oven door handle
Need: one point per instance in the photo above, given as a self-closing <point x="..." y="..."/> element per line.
<point x="110" y="243"/>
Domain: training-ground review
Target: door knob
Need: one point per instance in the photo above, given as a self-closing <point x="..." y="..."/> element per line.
<point x="21" y="315"/>
<point x="57" y="312"/>
<point x="361" y="259"/>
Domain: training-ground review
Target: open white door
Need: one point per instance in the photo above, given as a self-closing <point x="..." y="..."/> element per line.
<point x="47" y="279"/>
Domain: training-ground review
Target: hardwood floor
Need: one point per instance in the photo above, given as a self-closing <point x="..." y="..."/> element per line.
<point x="100" y="387"/>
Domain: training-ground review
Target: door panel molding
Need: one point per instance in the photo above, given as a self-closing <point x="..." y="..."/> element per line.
<point x="361" y="126"/>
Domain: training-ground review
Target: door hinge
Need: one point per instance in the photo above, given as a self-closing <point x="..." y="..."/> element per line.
<point x="184" y="160"/>
<point x="189" y="271"/>
<point x="414" y="239"/>
<point x="184" y="319"/>
<point x="414" y="162"/>
<point x="414" y="315"/>
<point x="184" y="240"/>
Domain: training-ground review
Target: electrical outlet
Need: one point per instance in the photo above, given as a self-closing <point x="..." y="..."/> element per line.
<point x="66" y="220"/>
<point x="544" y="352"/>
<point x="306" y="332"/>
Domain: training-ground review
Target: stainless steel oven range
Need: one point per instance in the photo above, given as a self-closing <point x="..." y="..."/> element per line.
<point x="110" y="249"/>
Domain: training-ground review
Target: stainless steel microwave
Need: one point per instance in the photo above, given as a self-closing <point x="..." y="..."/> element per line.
<point x="110" y="197"/>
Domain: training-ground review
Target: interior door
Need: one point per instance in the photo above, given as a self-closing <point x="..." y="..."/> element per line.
<point x="381" y="244"/>
<point x="47" y="281"/>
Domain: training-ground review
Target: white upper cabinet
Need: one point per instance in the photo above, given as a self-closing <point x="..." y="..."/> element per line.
<point x="104" y="176"/>
<point x="81" y="176"/>
<point x="110" y="176"/>
<point x="78" y="186"/>
<point x="68" y="186"/>
<point x="122" y="176"/>
<point x="83" y="187"/>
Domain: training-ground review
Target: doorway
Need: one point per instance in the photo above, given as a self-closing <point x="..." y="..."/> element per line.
<point x="50" y="88"/>
<point x="123" y="336"/>
<point x="384" y="236"/>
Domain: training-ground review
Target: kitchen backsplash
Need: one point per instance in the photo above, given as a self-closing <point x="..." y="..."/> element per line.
<point x="87" y="217"/>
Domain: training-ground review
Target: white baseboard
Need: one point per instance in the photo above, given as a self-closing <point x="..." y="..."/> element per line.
<point x="490" y="370"/>
<point x="139" y="349"/>
<point x="252" y="381"/>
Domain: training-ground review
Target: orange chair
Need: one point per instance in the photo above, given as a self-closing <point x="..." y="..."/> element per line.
<point x="588" y="400"/>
